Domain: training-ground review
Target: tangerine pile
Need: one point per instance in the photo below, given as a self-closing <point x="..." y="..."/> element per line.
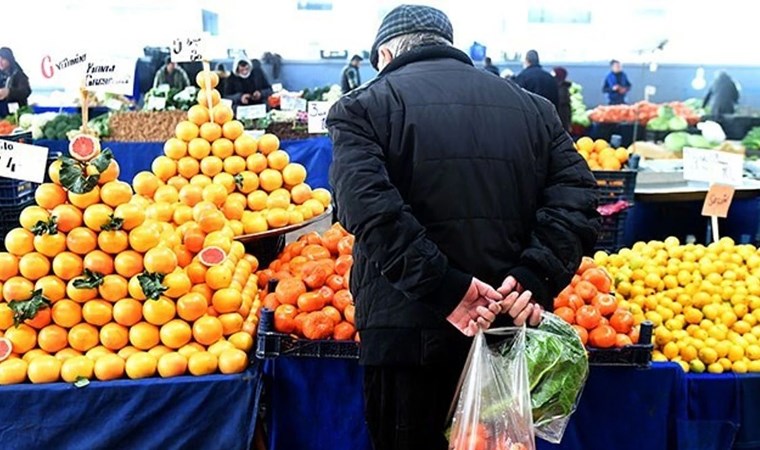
<point x="312" y="299"/>
<point x="600" y="155"/>
<point x="704" y="301"/>
<point x="596" y="314"/>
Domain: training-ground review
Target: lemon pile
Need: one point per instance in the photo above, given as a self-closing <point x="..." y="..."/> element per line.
<point x="704" y="301"/>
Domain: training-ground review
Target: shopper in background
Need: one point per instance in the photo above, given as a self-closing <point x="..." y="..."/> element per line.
<point x="722" y="96"/>
<point x="172" y="75"/>
<point x="248" y="84"/>
<point x="489" y="67"/>
<point x="430" y="175"/>
<point x="563" y="103"/>
<point x="351" y="77"/>
<point x="14" y="84"/>
<point x="616" y="84"/>
<point x="535" y="79"/>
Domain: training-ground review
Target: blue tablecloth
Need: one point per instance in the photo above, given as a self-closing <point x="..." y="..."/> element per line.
<point x="215" y="411"/>
<point x="316" y="404"/>
<point x="315" y="154"/>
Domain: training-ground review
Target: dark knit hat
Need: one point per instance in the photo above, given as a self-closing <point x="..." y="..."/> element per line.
<point x="406" y="19"/>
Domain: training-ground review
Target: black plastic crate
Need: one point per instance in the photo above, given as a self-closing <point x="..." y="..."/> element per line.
<point x="24" y="138"/>
<point x="15" y="192"/>
<point x="612" y="233"/>
<point x="637" y="355"/>
<point x="271" y="345"/>
<point x="616" y="185"/>
<point x="9" y="219"/>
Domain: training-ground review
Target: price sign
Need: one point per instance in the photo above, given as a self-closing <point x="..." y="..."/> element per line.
<point x="110" y="75"/>
<point x="712" y="166"/>
<point x="318" y="116"/>
<point x="73" y="63"/>
<point x="718" y="201"/>
<point x="292" y="104"/>
<point x="226" y="102"/>
<point x="187" y="49"/>
<point x="23" y="161"/>
<point x="156" y="103"/>
<point x="276" y="87"/>
<point x="12" y="108"/>
<point x="251" y="112"/>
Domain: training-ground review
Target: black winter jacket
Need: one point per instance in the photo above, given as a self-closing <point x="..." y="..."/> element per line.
<point x="540" y="82"/>
<point x="444" y="172"/>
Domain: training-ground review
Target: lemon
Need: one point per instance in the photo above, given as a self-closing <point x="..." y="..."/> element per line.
<point x="754" y="366"/>
<point x="670" y="350"/>
<point x="722" y="348"/>
<point x="708" y="355"/>
<point x="658" y="357"/>
<point x="711" y="311"/>
<point x="688" y="353"/>
<point x="726" y="363"/>
<point x="684" y="365"/>
<point x="697" y="366"/>
<point x="715" y="368"/>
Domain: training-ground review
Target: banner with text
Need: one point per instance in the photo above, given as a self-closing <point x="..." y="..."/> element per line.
<point x="113" y="75"/>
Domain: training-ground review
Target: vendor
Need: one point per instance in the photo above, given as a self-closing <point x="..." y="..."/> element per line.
<point x="15" y="84"/>
<point x="247" y="84"/>
<point x="723" y="95"/>
<point x="172" y="75"/>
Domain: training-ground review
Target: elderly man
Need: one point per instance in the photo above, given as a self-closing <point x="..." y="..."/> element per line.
<point x="456" y="183"/>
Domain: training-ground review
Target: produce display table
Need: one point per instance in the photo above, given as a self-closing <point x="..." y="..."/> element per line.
<point x="315" y="154"/>
<point x="214" y="411"/>
<point x="316" y="404"/>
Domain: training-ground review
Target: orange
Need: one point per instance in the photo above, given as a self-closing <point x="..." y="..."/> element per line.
<point x="315" y="205"/>
<point x="86" y="199"/>
<point x="227" y="300"/>
<point x="33" y="353"/>
<point x="188" y="167"/>
<point x="222" y="148"/>
<point x="171" y="365"/>
<point x="40" y="320"/>
<point x="278" y="201"/>
<point x="310" y="301"/>
<point x="140" y="365"/>
<point x="225" y="179"/>
<point x="115" y="193"/>
<point x="204" y="96"/>
<point x="603" y="336"/>
<point x="284" y="318"/>
<point x="241" y="340"/>
<point x="198" y="114"/>
<point x="68" y="217"/>
<point x="66" y="313"/>
<point x="215" y="194"/>
<point x="97" y="215"/>
<point x="128" y="263"/>
<point x="344" y="331"/>
<point x="231" y="323"/>
<point x="191" y="348"/>
<point x="67" y="353"/>
<point x="256" y="162"/>
<point x="318" y="325"/>
<point x="160" y="260"/>
<point x="49" y="195"/>
<point x="13" y="371"/>
<point x="81" y="240"/>
<point x="278" y="159"/>
<point x="97" y="312"/>
<point x="190" y="195"/>
<point x="222" y="114"/>
<point x="110" y="174"/>
<point x="175" y="148"/>
<point x="109" y="367"/>
<point x="8" y="266"/>
<point x="211" y="131"/>
<point x="52" y="288"/>
<point x="19" y="242"/>
<point x="50" y="244"/>
<point x="293" y="173"/>
<point x="182" y="214"/>
<point x="99" y="261"/>
<point x="206" y="78"/>
<point x="158" y="312"/>
<point x="67" y="266"/>
<point x="114" y="288"/>
<point x="31" y="215"/>
<point x="186" y="130"/>
<point x="218" y="277"/>
<point x="323" y="196"/>
<point x="176" y="333"/>
<point x="23" y="337"/>
<point x="270" y="179"/>
<point x="52" y="338"/>
<point x="233" y="361"/>
<point x="202" y="363"/>
<point x="277" y="218"/>
<point x="143" y="336"/>
<point x="234" y="129"/>
<point x="17" y="288"/>
<point x="232" y="209"/>
<point x="212" y="220"/>
<point x="268" y="143"/>
<point x="34" y="266"/>
<point x="131" y="214"/>
<point x="300" y="193"/>
<point x="247" y="182"/>
<point x="159" y="351"/>
<point x="83" y="337"/>
<point x="234" y="165"/>
<point x="80" y="295"/>
<point x="144" y="238"/>
<point x="211" y="165"/>
<point x="127" y="312"/>
<point x="145" y="183"/>
<point x="114" y="336"/>
<point x="54" y="171"/>
<point x="44" y="369"/>
<point x="199" y="148"/>
<point x="178" y="284"/>
<point x="288" y="290"/>
<point x="113" y="242"/>
<point x="196" y="272"/>
<point x="207" y="330"/>
<point x="77" y="367"/>
<point x="166" y="194"/>
<point x="164" y="167"/>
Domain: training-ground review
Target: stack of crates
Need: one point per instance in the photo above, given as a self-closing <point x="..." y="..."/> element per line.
<point x="15" y="195"/>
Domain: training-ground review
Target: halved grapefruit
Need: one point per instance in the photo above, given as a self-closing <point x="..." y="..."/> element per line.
<point x="6" y="348"/>
<point x="84" y="147"/>
<point x="212" y="256"/>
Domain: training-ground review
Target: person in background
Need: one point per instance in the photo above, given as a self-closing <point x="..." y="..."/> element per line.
<point x="489" y="67"/>
<point x="14" y="84"/>
<point x="351" y="78"/>
<point x="223" y="75"/>
<point x="171" y="74"/>
<point x="616" y="84"/>
<point x="248" y="84"/>
<point x="437" y="229"/>
<point x="535" y="79"/>
<point x="563" y="89"/>
<point x="722" y="96"/>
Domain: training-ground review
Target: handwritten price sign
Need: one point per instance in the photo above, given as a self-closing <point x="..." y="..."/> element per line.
<point x="718" y="201"/>
<point x="712" y="166"/>
<point x="318" y="116"/>
<point x="188" y="49"/>
<point x="23" y="161"/>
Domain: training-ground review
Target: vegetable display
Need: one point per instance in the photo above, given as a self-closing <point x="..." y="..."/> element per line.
<point x="643" y="112"/>
<point x="752" y="140"/>
<point x="578" y="107"/>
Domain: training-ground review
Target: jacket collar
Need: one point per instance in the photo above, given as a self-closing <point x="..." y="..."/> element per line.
<point x="425" y="53"/>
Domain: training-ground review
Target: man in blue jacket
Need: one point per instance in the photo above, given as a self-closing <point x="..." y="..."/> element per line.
<point x="535" y="79"/>
<point x="616" y="84"/>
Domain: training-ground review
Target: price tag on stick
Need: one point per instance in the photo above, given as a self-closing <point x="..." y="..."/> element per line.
<point x="717" y="202"/>
<point x="251" y="112"/>
<point x="187" y="49"/>
<point x="318" y="116"/>
<point x="23" y="161"/>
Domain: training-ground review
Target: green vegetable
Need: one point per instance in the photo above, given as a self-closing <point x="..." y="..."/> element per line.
<point x="698" y="141"/>
<point x="676" y="141"/>
<point x="752" y="140"/>
<point x="677" y="123"/>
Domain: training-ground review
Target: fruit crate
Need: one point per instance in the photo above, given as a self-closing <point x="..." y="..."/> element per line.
<point x="614" y="187"/>
<point x="270" y="344"/>
<point x="9" y="219"/>
<point x="14" y="193"/>
<point x="637" y="355"/>
<point x="24" y="137"/>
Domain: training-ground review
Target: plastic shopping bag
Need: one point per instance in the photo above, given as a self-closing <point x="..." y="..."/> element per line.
<point x="492" y="409"/>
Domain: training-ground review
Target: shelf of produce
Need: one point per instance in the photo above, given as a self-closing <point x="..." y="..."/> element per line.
<point x="247" y="238"/>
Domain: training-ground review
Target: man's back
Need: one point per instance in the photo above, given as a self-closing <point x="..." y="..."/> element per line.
<point x="540" y="82"/>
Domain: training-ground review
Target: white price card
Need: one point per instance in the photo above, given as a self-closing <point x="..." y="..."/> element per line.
<point x="288" y="103"/>
<point x="12" y="108"/>
<point x="23" y="161"/>
<point x="156" y="103"/>
<point x="116" y="76"/>
<point x="318" y="116"/>
<point x="226" y="102"/>
<point x="72" y="64"/>
<point x="712" y="166"/>
<point x="187" y="49"/>
<point x="251" y="112"/>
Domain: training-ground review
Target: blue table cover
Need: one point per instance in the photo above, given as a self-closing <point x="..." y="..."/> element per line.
<point x="211" y="412"/>
<point x="316" y="404"/>
<point x="315" y="154"/>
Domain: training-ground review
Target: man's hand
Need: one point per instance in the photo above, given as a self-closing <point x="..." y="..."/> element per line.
<point x="616" y="88"/>
<point x="257" y="96"/>
<point x="517" y="303"/>
<point x="477" y="310"/>
<point x="4" y="93"/>
<point x="245" y="99"/>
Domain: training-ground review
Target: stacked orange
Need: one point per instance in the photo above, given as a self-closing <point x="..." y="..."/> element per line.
<point x="595" y="313"/>
<point x="600" y="155"/>
<point x="311" y="299"/>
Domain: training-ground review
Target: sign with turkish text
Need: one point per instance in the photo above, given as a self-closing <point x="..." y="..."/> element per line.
<point x="288" y="103"/>
<point x="318" y="116"/>
<point x="116" y="76"/>
<point x="23" y="161"/>
<point x="251" y="112"/>
<point x="72" y="64"/>
<point x="718" y="201"/>
<point x="187" y="49"/>
<point x="712" y="166"/>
